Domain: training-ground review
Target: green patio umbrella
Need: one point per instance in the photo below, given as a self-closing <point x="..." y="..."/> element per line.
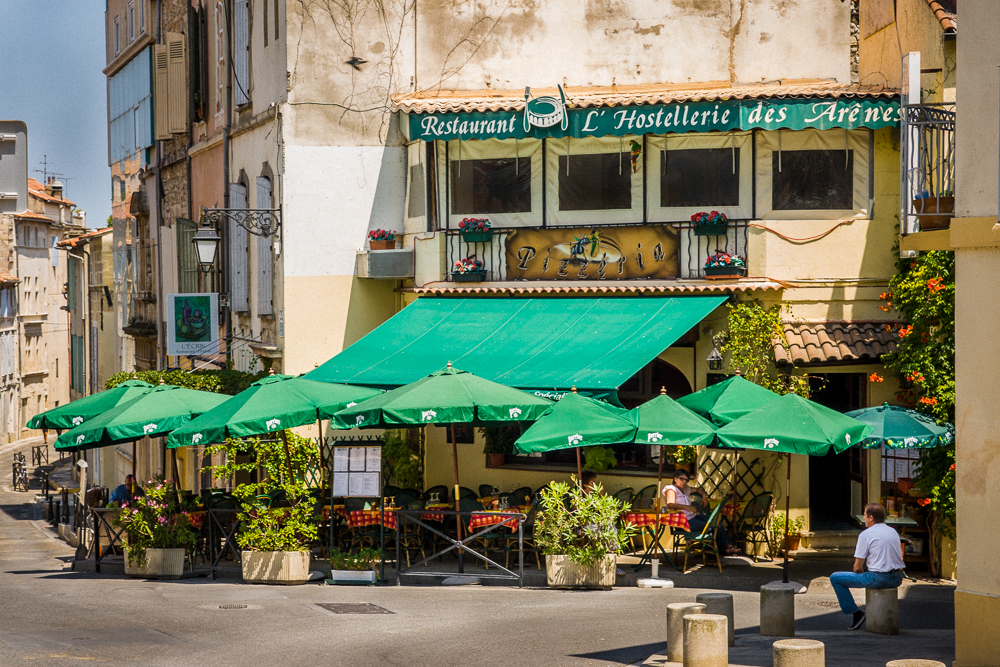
<point x="84" y="409"/>
<point x="897" y="427"/>
<point x="729" y="400"/>
<point x="793" y="425"/>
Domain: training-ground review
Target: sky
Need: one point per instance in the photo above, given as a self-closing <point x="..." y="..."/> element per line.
<point x="51" y="57"/>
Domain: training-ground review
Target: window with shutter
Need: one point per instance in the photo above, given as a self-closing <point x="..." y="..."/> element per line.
<point x="241" y="52"/>
<point x="177" y="81"/>
<point x="238" y="249"/>
<point x="265" y="259"/>
<point x="187" y="257"/>
<point x="161" y="109"/>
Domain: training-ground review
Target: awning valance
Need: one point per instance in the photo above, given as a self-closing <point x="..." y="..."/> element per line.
<point x="547" y="344"/>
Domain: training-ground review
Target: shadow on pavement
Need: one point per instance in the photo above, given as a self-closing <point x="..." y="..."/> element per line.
<point x="627" y="655"/>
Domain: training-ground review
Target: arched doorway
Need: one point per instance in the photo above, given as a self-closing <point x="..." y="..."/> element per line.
<point x="646" y="384"/>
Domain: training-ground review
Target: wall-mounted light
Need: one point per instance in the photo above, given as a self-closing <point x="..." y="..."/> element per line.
<point x="714" y="359"/>
<point x="206" y="245"/>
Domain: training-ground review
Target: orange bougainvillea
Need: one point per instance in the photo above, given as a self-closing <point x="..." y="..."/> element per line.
<point x="875" y="377"/>
<point x="935" y="285"/>
<point x="928" y="400"/>
<point x="905" y="331"/>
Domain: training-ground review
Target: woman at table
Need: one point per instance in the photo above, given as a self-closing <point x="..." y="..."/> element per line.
<point x="678" y="497"/>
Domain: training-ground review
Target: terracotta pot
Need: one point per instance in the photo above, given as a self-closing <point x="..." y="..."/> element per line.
<point x="934" y="212"/>
<point x="275" y="567"/>
<point x="561" y="572"/>
<point x="382" y="245"/>
<point x="160" y="564"/>
<point x="497" y="460"/>
<point x="792" y="543"/>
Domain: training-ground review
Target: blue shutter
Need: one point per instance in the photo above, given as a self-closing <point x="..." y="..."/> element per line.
<point x="265" y="259"/>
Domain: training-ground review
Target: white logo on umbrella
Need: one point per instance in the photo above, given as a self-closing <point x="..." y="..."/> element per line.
<point x="360" y="420"/>
<point x="149" y="428"/>
<point x="351" y="404"/>
<point x="272" y="424"/>
<point x="515" y="412"/>
<point x="947" y="436"/>
<point x="575" y="439"/>
<point x="770" y="443"/>
<point x="79" y="438"/>
<point x="654" y="437"/>
<point x="428" y="415"/>
<point x="911" y="441"/>
<point x="847" y="437"/>
<point x="77" y="421"/>
<point x="196" y="438"/>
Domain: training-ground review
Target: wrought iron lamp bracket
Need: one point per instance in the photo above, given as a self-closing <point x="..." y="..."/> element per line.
<point x="257" y="221"/>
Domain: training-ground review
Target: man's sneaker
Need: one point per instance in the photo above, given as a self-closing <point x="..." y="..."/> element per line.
<point x="859" y="620"/>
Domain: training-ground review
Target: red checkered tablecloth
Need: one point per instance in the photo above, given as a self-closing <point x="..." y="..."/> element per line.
<point x="361" y="518"/>
<point x="483" y="519"/>
<point x="436" y="516"/>
<point x="672" y="519"/>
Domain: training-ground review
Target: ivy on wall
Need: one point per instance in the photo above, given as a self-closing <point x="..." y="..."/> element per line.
<point x="218" y="381"/>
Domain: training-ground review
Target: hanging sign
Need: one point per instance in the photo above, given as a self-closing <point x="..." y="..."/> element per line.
<point x="586" y="253"/>
<point x="546" y="117"/>
<point x="192" y="324"/>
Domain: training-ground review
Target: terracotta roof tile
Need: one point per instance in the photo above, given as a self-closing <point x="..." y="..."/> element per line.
<point x="38" y="190"/>
<point x="83" y="238"/>
<point x="31" y="215"/>
<point x="946" y="12"/>
<point x="443" y="101"/>
<point x="8" y="278"/>
<point x="580" y="287"/>
<point x="835" y="342"/>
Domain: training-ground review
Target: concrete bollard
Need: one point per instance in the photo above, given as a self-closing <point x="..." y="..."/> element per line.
<point x="777" y="610"/>
<point x="675" y="627"/>
<point x="914" y="663"/>
<point x="705" y="640"/>
<point x="720" y="603"/>
<point x="798" y="653"/>
<point x="882" y="611"/>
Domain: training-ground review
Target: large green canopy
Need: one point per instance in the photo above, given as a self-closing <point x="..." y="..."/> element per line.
<point x="157" y="412"/>
<point x="794" y="425"/>
<point x="446" y="397"/>
<point x="897" y="427"/>
<point x="84" y="409"/>
<point x="577" y="421"/>
<point x="546" y="344"/>
<point x="273" y="403"/>
<point x="727" y="401"/>
<point x="664" y="421"/>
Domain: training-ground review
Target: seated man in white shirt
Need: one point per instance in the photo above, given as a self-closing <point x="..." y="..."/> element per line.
<point x="879" y="547"/>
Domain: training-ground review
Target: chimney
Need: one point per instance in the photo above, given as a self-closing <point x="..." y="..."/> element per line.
<point x="54" y="188"/>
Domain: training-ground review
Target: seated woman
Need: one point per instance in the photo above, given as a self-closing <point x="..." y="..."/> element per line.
<point x="679" y="497"/>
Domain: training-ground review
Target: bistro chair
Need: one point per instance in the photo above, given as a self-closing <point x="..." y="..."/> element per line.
<point x="404" y="499"/>
<point x="485" y="490"/>
<point x="390" y="490"/>
<point x="702" y="542"/>
<point x="464" y="492"/>
<point x="411" y="536"/>
<point x="440" y="489"/>
<point x="528" y="539"/>
<point x="644" y="499"/>
<point x="625" y="495"/>
<point x="752" y="525"/>
<point x="520" y="494"/>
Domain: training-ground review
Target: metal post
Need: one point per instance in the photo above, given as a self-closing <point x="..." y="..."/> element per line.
<point x="788" y="493"/>
<point x="458" y="517"/>
<point x="381" y="538"/>
<point x="399" y="517"/>
<point x="520" y="551"/>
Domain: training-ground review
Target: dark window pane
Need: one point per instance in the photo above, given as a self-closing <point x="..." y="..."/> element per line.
<point x="700" y="177"/>
<point x="491" y="186"/>
<point x="812" y="180"/>
<point x="416" y="206"/>
<point x="594" y="182"/>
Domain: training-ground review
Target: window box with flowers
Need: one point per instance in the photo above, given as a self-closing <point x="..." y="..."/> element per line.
<point x="712" y="223"/>
<point x="722" y="265"/>
<point x="468" y="270"/>
<point x="381" y="239"/>
<point x="475" y="230"/>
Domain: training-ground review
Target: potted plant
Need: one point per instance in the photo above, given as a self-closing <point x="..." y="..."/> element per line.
<point x="157" y="531"/>
<point x="934" y="212"/>
<point x="468" y="270"/>
<point x="354" y="569"/>
<point x="274" y="536"/>
<point x="475" y="230"/>
<point x="722" y="265"/>
<point x="712" y="223"/>
<point x="498" y="441"/>
<point x="578" y="533"/>
<point x="795" y="527"/>
<point x="381" y="239"/>
<point x="599" y="459"/>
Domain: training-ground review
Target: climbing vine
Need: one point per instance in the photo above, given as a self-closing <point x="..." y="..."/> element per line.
<point x="749" y="340"/>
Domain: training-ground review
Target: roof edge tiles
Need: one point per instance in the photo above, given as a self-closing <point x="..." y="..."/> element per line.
<point x="946" y="14"/>
<point x="836" y="342"/>
<point x="582" y="288"/>
<point x="452" y="101"/>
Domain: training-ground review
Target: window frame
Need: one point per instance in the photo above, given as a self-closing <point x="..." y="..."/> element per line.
<point x="416" y="153"/>
<point x="118" y="36"/>
<point x="131" y="21"/>
<point x="556" y="148"/>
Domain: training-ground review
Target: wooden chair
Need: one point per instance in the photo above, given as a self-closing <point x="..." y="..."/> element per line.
<point x="702" y="542"/>
<point x="751" y="528"/>
<point x="528" y="539"/>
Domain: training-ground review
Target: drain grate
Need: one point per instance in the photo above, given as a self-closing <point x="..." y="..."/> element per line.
<point x="826" y="603"/>
<point x="232" y="606"/>
<point x="353" y="608"/>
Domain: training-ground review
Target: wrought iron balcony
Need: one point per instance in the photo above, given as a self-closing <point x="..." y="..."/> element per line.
<point x="927" y="154"/>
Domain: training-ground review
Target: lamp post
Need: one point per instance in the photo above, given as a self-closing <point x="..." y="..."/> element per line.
<point x="206" y="246"/>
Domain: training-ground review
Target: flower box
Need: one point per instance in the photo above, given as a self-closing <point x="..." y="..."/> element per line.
<point x="352" y="578"/>
<point x="718" y="229"/>
<point x="160" y="564"/>
<point x="382" y="245"/>
<point x="477" y="237"/>
<point x="561" y="572"/>
<point x="934" y="212"/>
<point x="275" y="567"/>
<point x="468" y="277"/>
<point x="723" y="272"/>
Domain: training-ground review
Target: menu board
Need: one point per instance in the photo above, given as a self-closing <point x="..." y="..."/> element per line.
<point x="357" y="471"/>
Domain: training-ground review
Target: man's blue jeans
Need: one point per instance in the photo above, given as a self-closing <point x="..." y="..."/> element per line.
<point x="842" y="581"/>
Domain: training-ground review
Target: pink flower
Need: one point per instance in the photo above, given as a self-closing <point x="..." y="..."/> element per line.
<point x="162" y="519"/>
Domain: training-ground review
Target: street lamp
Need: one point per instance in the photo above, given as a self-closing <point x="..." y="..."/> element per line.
<point x="714" y="360"/>
<point x="206" y="244"/>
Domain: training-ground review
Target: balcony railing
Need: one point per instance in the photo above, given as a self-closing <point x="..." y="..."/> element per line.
<point x="927" y="153"/>
<point x="692" y="250"/>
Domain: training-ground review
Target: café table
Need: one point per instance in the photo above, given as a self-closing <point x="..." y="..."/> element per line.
<point x="493" y="517"/>
<point x="646" y="520"/>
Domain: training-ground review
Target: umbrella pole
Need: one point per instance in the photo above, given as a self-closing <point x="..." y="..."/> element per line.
<point x="133" y="461"/>
<point x="458" y="517"/>
<point x="579" y="468"/>
<point x="659" y="503"/>
<point x="177" y="475"/>
<point x="788" y="493"/>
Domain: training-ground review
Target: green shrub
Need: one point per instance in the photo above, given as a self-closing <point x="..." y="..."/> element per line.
<point x="583" y="526"/>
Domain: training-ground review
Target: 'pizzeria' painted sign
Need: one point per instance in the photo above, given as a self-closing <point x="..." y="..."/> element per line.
<point x="724" y="116"/>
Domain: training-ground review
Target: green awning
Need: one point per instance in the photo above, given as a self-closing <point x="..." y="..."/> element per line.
<point x="551" y="344"/>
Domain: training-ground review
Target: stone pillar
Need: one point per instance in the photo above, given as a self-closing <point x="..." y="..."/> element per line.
<point x="720" y="603"/>
<point x="705" y="640"/>
<point x="882" y="611"/>
<point x="914" y="663"/>
<point x="675" y="627"/>
<point x="798" y="653"/>
<point x="777" y="610"/>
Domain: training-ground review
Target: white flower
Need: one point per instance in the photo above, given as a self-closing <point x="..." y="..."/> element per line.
<point x="575" y="439"/>
<point x="148" y="428"/>
<point x="654" y="437"/>
<point x="272" y="424"/>
<point x="196" y="438"/>
<point x="515" y="412"/>
<point x="77" y="421"/>
<point x="428" y="415"/>
<point x="770" y="443"/>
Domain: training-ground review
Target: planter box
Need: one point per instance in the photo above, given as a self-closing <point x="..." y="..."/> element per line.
<point x="477" y="237"/>
<point x="352" y="578"/>
<point x="275" y="567"/>
<point x="160" y="564"/>
<point x="561" y="572"/>
<point x="382" y="245"/>
<point x="934" y="212"/>
<point x="711" y="230"/>
<point x="497" y="460"/>
<point x="471" y="277"/>
<point x="723" y="272"/>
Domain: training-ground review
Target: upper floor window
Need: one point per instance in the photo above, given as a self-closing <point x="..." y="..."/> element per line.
<point x="142" y="16"/>
<point x="811" y="180"/>
<point x="118" y="36"/>
<point x="131" y="22"/>
<point x="497" y="179"/>
<point x="593" y="181"/>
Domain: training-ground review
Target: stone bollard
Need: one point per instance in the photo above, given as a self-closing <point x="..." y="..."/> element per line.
<point x="705" y="640"/>
<point x="914" y="663"/>
<point x="777" y="610"/>
<point x="675" y="627"/>
<point x="720" y="603"/>
<point x="882" y="611"/>
<point x="798" y="653"/>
